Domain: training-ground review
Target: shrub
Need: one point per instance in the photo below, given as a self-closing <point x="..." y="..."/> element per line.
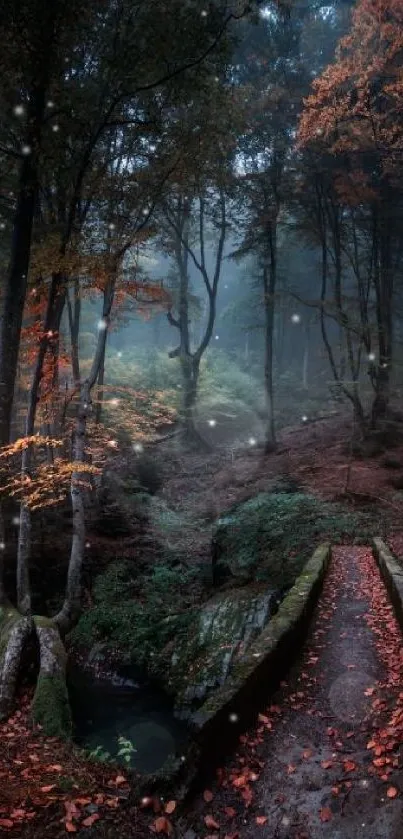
<point x="271" y="536"/>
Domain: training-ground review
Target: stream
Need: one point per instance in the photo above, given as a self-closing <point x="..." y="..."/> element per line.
<point x="103" y="712"/>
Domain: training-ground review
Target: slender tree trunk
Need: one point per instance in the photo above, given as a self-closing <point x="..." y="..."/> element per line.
<point x="71" y="608"/>
<point x="74" y="314"/>
<point x="100" y="389"/>
<point x="24" y="533"/>
<point x="269" y="287"/>
<point x="384" y="298"/>
<point x="305" y="360"/>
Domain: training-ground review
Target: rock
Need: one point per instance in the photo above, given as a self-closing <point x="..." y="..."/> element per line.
<point x="225" y="627"/>
<point x="248" y="542"/>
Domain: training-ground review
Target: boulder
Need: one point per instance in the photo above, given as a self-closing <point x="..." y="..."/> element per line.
<point x="251" y="541"/>
<point x="199" y="661"/>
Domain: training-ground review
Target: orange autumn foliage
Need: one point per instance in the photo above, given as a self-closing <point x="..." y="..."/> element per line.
<point x="356" y="107"/>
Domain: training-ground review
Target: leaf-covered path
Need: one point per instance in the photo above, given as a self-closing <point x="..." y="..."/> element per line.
<point x="325" y="759"/>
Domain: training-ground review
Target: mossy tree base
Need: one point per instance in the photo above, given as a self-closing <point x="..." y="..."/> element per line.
<point x="51" y="708"/>
<point x="15" y="631"/>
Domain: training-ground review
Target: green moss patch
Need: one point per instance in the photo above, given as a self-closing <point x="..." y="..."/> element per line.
<point x="270" y="537"/>
<point x="51" y="708"/>
<point x="392" y="573"/>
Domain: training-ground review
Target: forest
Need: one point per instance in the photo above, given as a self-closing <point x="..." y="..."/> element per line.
<point x="201" y="419"/>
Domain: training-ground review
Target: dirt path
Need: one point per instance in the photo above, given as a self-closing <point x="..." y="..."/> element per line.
<point x="324" y="760"/>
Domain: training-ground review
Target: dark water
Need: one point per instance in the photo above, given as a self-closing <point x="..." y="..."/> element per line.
<point x="144" y="715"/>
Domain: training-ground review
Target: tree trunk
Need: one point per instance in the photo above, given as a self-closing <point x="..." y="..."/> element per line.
<point x="100" y="389"/>
<point x="74" y="314"/>
<point x="15" y="285"/>
<point x="70" y="611"/>
<point x="305" y="360"/>
<point x="14" y="633"/>
<point x="50" y="707"/>
<point x="384" y="298"/>
<point x="52" y="318"/>
<point x="269" y="287"/>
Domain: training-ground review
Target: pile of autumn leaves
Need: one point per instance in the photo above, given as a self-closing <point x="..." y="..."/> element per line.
<point x="40" y="774"/>
<point x="388" y="639"/>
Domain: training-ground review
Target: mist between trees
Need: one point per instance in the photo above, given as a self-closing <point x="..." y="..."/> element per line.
<point x="200" y="234"/>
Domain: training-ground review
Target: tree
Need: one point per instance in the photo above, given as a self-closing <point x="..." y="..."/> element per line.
<point x="128" y="60"/>
<point x="354" y="113"/>
<point x="196" y="212"/>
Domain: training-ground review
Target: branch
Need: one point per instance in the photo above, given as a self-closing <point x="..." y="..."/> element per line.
<point x="173" y="321"/>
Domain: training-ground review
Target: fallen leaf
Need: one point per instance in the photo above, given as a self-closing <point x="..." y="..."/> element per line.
<point x="18" y="814"/>
<point x="261" y="819"/>
<point x="392" y="792"/>
<point x="90" y="820"/>
<point x="240" y="781"/>
<point x="6" y="823"/>
<point x="163" y="825"/>
<point x="208" y="795"/>
<point x="326" y="764"/>
<point x="170" y="807"/>
<point x="325" y="814"/>
<point x="230" y="812"/>
<point x="120" y="779"/>
<point x="349" y="766"/>
<point x="307" y="754"/>
<point x="210" y="821"/>
<point x="70" y="827"/>
<point x="47" y="788"/>
<point x="369" y="691"/>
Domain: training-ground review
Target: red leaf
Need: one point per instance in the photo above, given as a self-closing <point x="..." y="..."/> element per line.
<point x="120" y="779"/>
<point x="392" y="792"/>
<point x="163" y="825"/>
<point x="70" y="827"/>
<point x="349" y="766"/>
<point x="326" y="764"/>
<point x="208" y="795"/>
<point x="325" y="814"/>
<point x="47" y="788"/>
<point x="90" y="820"/>
<point x="230" y="812"/>
<point x="170" y="807"/>
<point x="240" y="781"/>
<point x="6" y="823"/>
<point x="210" y="821"/>
<point x="261" y="819"/>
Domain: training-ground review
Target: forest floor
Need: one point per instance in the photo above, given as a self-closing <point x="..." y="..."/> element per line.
<point x="324" y="759"/>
